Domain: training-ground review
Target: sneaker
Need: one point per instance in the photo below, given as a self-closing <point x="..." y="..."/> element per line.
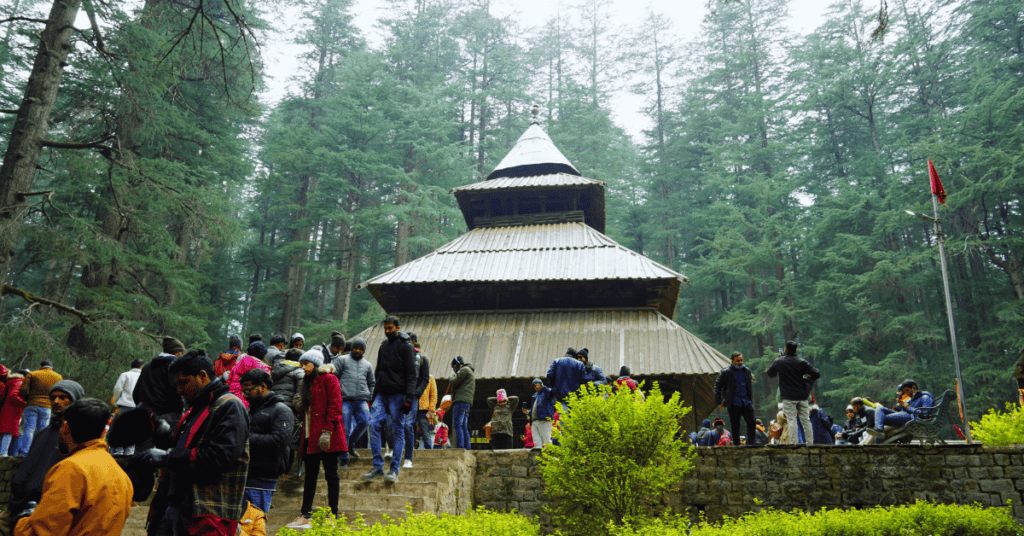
<point x="354" y="453"/>
<point x="407" y="464"/>
<point x="391" y="478"/>
<point x="343" y="464"/>
<point x="876" y="432"/>
<point x="376" y="472"/>
<point x="387" y="453"/>
<point x="300" y="523"/>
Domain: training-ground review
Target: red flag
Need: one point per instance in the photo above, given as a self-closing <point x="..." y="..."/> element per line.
<point x="937" y="188"/>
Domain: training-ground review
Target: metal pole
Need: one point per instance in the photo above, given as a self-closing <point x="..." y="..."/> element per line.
<point x="949" y="313"/>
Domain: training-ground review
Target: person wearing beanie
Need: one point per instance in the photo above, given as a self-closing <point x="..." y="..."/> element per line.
<point x="35" y="390"/>
<point x="463" y="387"/>
<point x="297" y="341"/>
<point x="227" y="360"/>
<point x="703" y="437"/>
<point x="155" y="389"/>
<point x="625" y="379"/>
<point x="565" y="375"/>
<point x="251" y="359"/>
<point x="594" y="373"/>
<point x="541" y="412"/>
<point x="255" y="337"/>
<point x="355" y="375"/>
<point x="503" y="407"/>
<point x="27" y="484"/>
<point x="337" y="346"/>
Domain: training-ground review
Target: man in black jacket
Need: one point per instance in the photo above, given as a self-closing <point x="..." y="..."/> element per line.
<point x="734" y="392"/>
<point x="155" y="389"/>
<point x="393" y="397"/>
<point x="796" y="377"/>
<point x="270" y="435"/>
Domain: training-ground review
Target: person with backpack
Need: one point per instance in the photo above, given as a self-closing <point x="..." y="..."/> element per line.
<point x="703" y="436"/>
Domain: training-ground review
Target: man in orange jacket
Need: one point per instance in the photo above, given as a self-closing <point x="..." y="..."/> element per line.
<point x="87" y="493"/>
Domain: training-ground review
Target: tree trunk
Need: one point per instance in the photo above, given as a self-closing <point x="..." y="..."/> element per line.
<point x="18" y="173"/>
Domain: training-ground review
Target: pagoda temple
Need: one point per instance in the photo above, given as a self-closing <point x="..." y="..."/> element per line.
<point x="535" y="275"/>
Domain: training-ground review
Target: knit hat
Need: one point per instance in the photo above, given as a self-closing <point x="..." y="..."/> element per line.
<point x="337" y="339"/>
<point x="71" y="387"/>
<point x="413" y="337"/>
<point x="314" y="356"/>
<point x="255" y="337"/>
<point x="45" y="364"/>
<point x="706" y="423"/>
<point x="850" y="409"/>
<point x="257" y="349"/>
<point x="571" y="351"/>
<point x="585" y="353"/>
<point x="717" y="421"/>
<point x="502" y="395"/>
<point x="458" y="361"/>
<point x="235" y="342"/>
<point x="624" y="371"/>
<point x="538" y="380"/>
<point x="359" y="342"/>
<point x="172" y="346"/>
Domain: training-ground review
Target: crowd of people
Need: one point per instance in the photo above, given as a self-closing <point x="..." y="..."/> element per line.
<point x="799" y="419"/>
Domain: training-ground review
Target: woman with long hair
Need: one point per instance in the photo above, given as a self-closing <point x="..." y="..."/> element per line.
<point x="323" y="434"/>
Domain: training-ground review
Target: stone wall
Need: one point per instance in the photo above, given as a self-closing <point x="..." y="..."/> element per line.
<point x="8" y="466"/>
<point x="726" y="481"/>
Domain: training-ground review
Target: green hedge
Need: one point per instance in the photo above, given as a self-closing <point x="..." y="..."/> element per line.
<point x="479" y="522"/>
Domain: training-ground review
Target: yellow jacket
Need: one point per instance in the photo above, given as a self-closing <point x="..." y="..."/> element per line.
<point x="36" y="387"/>
<point x="85" y="494"/>
<point x="428" y="401"/>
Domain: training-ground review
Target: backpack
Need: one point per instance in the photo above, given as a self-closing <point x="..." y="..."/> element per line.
<point x="724" y="440"/>
<point x="703" y="438"/>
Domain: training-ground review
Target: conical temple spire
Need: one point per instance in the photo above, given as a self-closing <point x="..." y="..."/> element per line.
<point x="534" y="154"/>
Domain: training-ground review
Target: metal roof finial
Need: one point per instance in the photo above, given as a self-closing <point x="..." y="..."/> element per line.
<point x="535" y="111"/>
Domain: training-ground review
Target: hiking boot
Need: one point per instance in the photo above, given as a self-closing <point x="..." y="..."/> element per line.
<point x="876" y="432"/>
<point x="300" y="523"/>
<point x="376" y="472"/>
<point x="391" y="478"/>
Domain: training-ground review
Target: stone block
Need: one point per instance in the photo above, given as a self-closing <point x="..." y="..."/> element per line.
<point x="1013" y="471"/>
<point x="978" y="473"/>
<point x="997" y="486"/>
<point x="976" y="497"/>
<point x="956" y="461"/>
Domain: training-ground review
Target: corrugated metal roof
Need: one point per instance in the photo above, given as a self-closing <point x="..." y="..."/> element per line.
<point x="538" y="181"/>
<point x="533" y="154"/>
<point x="565" y="251"/>
<point x="522" y="344"/>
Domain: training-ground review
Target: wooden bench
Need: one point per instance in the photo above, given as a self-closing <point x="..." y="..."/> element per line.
<point x="924" y="429"/>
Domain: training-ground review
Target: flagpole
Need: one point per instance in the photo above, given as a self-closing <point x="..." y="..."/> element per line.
<point x="949" y="312"/>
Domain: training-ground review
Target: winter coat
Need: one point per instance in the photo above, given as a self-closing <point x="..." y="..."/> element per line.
<point x="725" y="385"/>
<point x="628" y="382"/>
<point x="156" y="390"/>
<point x="791" y="371"/>
<point x="35" y="390"/>
<point x="594" y="375"/>
<point x="565" y="375"/>
<point x="396" y="367"/>
<point x="542" y="405"/>
<point x="86" y="493"/>
<point x="226" y="361"/>
<point x="273" y="355"/>
<point x="463" y="384"/>
<point x="428" y="400"/>
<point x="287" y="376"/>
<point x="821" y="427"/>
<point x="919" y="404"/>
<point x="14" y="406"/>
<point x="125" y="386"/>
<point x="244" y="364"/>
<point x="212" y="467"/>
<point x="271" y="423"/>
<point x="501" y="419"/>
<point x="528" y="437"/>
<point x="27" y="484"/>
<point x="355" y="377"/>
<point x="422" y="368"/>
<point x="324" y="414"/>
<point x="253" y="522"/>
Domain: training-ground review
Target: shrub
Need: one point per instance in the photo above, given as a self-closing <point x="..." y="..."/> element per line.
<point x="998" y="429"/>
<point x="475" y="523"/>
<point x="618" y="455"/>
<point x="921" y="518"/>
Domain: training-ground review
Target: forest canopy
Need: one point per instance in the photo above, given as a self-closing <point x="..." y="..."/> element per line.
<point x="147" y="192"/>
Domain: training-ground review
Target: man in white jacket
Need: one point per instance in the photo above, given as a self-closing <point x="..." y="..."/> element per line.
<point x="123" y="397"/>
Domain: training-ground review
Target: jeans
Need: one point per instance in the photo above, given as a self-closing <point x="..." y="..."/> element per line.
<point x="747" y="413"/>
<point x="311" y="464"/>
<point x="792" y="409"/>
<point x="383" y="408"/>
<point x="260" y="491"/>
<point x="426" y="429"/>
<point x="460" y="424"/>
<point x="887" y="417"/>
<point x="5" y="443"/>
<point x="35" y="418"/>
<point x="541" y="433"/>
<point x="356" y="416"/>
<point x="409" y="424"/>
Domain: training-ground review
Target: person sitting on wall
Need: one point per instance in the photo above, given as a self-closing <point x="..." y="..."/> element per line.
<point x="912" y="403"/>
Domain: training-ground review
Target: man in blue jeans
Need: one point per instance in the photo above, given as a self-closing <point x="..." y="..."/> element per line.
<point x="355" y="375"/>
<point x="912" y="402"/>
<point x="393" y="397"/>
<point x="463" y="386"/>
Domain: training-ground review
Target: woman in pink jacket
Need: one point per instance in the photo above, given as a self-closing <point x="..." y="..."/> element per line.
<point x="253" y="358"/>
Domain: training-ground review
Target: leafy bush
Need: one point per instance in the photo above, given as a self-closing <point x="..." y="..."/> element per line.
<point x="475" y="523"/>
<point x="618" y="455"/>
<point x="922" y="518"/>
<point x="998" y="429"/>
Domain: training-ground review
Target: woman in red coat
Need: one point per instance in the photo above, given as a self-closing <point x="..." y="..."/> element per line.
<point x="323" y="434"/>
<point x="13" y="406"/>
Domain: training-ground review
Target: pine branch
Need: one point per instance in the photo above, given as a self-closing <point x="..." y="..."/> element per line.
<point x="74" y="145"/>
<point x="32" y="298"/>
<point x="23" y="19"/>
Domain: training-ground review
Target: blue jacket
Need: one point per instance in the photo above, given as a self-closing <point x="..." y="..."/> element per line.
<point x="542" y="405"/>
<point x="919" y="404"/>
<point x="565" y="375"/>
<point x="595" y="375"/>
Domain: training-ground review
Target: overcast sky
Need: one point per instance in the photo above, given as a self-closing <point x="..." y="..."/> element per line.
<point x="805" y="16"/>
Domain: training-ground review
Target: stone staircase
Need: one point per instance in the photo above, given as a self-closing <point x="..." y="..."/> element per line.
<point x="440" y="481"/>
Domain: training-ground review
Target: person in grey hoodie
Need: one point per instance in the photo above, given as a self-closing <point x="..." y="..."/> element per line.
<point x="355" y="375"/>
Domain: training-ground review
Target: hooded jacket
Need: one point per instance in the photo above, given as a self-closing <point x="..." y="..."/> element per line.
<point x="13" y="406"/>
<point x="87" y="493"/>
<point x="244" y="364"/>
<point x="396" y="367"/>
<point x="356" y="378"/>
<point x="501" y="418"/>
<point x="156" y="390"/>
<point x="594" y="374"/>
<point x="565" y="375"/>
<point x="27" y="484"/>
<point x="463" y="384"/>
<point x="271" y="423"/>
<point x="324" y="415"/>
<point x="791" y="371"/>
<point x="212" y="467"/>
<point x="287" y="376"/>
<point x="542" y="405"/>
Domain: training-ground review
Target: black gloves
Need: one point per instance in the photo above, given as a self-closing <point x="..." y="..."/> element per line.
<point x="155" y="458"/>
<point x="163" y="432"/>
<point x="407" y="406"/>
